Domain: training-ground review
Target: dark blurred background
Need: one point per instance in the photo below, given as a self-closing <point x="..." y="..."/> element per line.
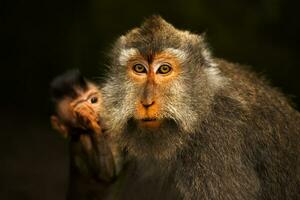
<point x="41" y="39"/>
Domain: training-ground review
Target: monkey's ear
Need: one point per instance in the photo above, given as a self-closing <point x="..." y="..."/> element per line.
<point x="58" y="126"/>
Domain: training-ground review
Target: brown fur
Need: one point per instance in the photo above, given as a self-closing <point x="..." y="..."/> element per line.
<point x="225" y="133"/>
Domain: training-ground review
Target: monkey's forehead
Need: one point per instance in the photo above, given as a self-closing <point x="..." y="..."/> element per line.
<point x="127" y="54"/>
<point x="147" y="45"/>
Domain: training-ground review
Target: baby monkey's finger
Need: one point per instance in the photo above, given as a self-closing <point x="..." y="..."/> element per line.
<point x="96" y="127"/>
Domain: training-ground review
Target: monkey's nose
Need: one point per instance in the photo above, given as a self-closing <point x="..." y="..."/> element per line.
<point x="147" y="104"/>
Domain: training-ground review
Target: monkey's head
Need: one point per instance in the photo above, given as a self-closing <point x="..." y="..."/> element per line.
<point x="67" y="91"/>
<point x="159" y="88"/>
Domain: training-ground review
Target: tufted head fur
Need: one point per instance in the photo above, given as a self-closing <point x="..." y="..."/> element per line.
<point x="185" y="101"/>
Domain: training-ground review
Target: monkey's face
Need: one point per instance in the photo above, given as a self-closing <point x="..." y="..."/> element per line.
<point x="152" y="78"/>
<point x="150" y="89"/>
<point x="90" y="97"/>
<point x="149" y="101"/>
<point x="87" y="104"/>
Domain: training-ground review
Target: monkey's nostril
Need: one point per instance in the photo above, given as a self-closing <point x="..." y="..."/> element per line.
<point x="147" y="104"/>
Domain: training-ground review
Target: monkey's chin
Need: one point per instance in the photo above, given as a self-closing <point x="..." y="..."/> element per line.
<point x="159" y="143"/>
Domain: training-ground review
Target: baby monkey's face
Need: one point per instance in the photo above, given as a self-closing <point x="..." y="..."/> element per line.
<point x="83" y="111"/>
<point x="89" y="98"/>
<point x="86" y="108"/>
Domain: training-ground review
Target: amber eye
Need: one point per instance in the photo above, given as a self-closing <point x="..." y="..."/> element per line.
<point x="139" y="68"/>
<point x="164" y="69"/>
<point x="94" y="100"/>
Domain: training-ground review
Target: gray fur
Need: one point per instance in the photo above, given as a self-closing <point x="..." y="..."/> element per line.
<point x="227" y="135"/>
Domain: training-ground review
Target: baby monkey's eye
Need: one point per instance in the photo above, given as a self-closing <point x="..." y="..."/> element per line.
<point x="164" y="69"/>
<point x="139" y="68"/>
<point x="94" y="100"/>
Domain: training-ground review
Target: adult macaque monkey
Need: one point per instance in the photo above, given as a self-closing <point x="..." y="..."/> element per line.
<point x="194" y="126"/>
<point x="78" y="103"/>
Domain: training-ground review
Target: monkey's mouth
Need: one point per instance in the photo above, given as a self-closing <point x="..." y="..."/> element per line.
<point x="149" y="122"/>
<point x="149" y="119"/>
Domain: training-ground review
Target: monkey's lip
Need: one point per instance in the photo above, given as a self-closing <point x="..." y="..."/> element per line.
<point x="149" y="122"/>
<point x="149" y="119"/>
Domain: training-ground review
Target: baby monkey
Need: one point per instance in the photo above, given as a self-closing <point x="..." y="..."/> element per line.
<point x="77" y="103"/>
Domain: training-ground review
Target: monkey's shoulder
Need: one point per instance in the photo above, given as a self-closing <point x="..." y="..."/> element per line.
<point x="253" y="89"/>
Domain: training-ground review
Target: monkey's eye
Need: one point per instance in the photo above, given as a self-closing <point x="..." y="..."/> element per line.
<point x="164" y="69"/>
<point x="94" y="100"/>
<point x="139" y="68"/>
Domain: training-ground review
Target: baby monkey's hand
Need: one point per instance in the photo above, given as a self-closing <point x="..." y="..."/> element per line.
<point x="86" y="112"/>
